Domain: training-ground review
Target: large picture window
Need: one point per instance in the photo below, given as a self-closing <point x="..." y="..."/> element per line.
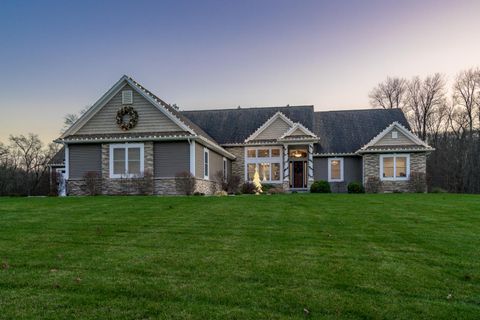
<point x="394" y="167"/>
<point x="126" y="160"/>
<point x="335" y="169"/>
<point x="266" y="160"/>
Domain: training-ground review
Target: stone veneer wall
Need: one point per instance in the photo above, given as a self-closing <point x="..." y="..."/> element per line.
<point x="371" y="167"/>
<point x="238" y="165"/>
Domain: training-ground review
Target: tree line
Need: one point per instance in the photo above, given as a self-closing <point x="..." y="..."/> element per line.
<point x="24" y="165"/>
<point x="448" y="120"/>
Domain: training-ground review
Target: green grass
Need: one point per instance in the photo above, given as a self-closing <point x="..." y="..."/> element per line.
<point x="244" y="257"/>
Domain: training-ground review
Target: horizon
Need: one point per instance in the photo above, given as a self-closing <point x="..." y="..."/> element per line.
<point x="59" y="57"/>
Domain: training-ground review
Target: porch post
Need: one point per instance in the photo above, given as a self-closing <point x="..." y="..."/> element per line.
<point x="286" y="168"/>
<point x="310" y="164"/>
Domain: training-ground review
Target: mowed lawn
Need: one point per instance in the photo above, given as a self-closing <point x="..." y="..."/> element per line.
<point x="242" y="257"/>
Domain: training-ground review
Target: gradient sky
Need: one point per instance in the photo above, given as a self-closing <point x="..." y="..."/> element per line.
<point x="58" y="56"/>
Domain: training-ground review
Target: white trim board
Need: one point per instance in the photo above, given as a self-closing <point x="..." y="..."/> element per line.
<point x="268" y="123"/>
<point x="399" y="127"/>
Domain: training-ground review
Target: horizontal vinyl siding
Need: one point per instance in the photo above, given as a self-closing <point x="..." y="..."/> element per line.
<point x="387" y="140"/>
<point x="274" y="130"/>
<point x="170" y="158"/>
<point x="150" y="119"/>
<point x="84" y="158"/>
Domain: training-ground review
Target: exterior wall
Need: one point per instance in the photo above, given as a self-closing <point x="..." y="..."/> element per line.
<point x="352" y="171"/>
<point x="215" y="162"/>
<point x="401" y="139"/>
<point x="274" y="130"/>
<point x="84" y="158"/>
<point x="150" y="119"/>
<point x="418" y="163"/>
<point x="238" y="165"/>
<point x="171" y="158"/>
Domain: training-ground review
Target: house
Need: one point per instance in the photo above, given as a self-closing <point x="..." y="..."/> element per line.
<point x="130" y="133"/>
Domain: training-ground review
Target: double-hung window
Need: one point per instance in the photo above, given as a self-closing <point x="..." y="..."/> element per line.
<point x="335" y="169"/>
<point x="267" y="161"/>
<point x="394" y="167"/>
<point x="126" y="160"/>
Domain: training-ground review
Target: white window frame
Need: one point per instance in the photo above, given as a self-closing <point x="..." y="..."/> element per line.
<point x="126" y="146"/>
<point x="258" y="160"/>
<point x="330" y="179"/>
<point x="394" y="156"/>
<point x="225" y="169"/>
<point x="206" y="174"/>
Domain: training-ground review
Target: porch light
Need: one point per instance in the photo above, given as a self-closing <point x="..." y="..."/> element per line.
<point x="297" y="154"/>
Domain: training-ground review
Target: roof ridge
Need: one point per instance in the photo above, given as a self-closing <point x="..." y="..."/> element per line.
<point x="250" y="108"/>
<point x="360" y="110"/>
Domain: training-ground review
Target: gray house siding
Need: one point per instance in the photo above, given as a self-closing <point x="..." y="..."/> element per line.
<point x="216" y="162"/>
<point x="352" y="171"/>
<point x="150" y="119"/>
<point x="84" y="158"/>
<point x="170" y="158"/>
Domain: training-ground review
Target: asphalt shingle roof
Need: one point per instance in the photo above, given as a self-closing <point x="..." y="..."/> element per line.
<point x="339" y="131"/>
<point x="235" y="125"/>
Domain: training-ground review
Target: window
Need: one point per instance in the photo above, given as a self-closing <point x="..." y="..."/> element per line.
<point x="335" y="169"/>
<point x="394" y="135"/>
<point x="225" y="169"/>
<point x="126" y="160"/>
<point x="206" y="159"/>
<point x="394" y="167"/>
<point x="127" y="97"/>
<point x="266" y="160"/>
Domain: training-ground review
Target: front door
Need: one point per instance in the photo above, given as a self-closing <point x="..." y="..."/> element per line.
<point x="298" y="174"/>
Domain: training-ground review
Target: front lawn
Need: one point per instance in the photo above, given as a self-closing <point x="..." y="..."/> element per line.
<point x="244" y="257"/>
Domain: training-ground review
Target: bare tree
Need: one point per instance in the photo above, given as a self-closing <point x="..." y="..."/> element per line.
<point x="423" y="99"/>
<point x="389" y="94"/>
<point x="71" y="118"/>
<point x="29" y="155"/>
<point x="466" y="95"/>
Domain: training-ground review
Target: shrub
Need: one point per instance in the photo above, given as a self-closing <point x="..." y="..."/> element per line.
<point x="276" y="190"/>
<point x="92" y="182"/>
<point x="438" y="190"/>
<point x="320" y="186"/>
<point x="266" y="187"/>
<point x="233" y="184"/>
<point x="373" y="185"/>
<point x="143" y="184"/>
<point x="418" y="182"/>
<point x="221" y="193"/>
<point x="185" y="183"/>
<point x="355" y="187"/>
<point x="248" y="188"/>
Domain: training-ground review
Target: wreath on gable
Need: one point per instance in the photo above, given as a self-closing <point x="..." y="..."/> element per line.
<point x="133" y="118"/>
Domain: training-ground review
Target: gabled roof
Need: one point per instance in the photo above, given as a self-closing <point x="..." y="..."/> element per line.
<point x="173" y="114"/>
<point x="416" y="141"/>
<point x="348" y="131"/>
<point x="233" y="126"/>
<point x="267" y="124"/>
<point x="300" y="127"/>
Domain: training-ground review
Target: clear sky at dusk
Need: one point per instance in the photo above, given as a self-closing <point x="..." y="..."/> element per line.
<point x="58" y="57"/>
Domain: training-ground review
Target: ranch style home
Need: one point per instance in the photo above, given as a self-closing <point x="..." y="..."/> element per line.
<point x="130" y="133"/>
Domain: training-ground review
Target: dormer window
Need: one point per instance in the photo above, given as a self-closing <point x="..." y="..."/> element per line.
<point x="127" y="97"/>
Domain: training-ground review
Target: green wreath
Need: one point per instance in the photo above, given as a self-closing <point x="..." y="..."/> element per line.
<point x="123" y="111"/>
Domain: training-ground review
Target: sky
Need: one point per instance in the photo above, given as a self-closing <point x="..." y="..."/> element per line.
<point x="56" y="57"/>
